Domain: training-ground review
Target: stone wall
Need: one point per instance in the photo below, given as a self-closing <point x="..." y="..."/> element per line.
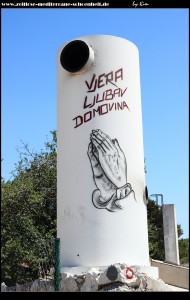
<point x="172" y="274"/>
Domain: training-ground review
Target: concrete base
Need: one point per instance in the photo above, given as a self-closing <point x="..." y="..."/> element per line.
<point x="93" y="279"/>
<point x="150" y="271"/>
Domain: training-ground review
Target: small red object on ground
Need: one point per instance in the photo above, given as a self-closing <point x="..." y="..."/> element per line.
<point x="129" y="273"/>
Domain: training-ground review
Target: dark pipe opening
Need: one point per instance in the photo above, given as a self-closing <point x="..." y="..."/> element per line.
<point x="74" y="56"/>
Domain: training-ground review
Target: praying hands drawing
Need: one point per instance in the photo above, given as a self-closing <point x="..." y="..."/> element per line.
<point x="109" y="169"/>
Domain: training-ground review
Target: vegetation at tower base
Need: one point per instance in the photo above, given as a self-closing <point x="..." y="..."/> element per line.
<point x="28" y="214"/>
<point x="28" y="217"/>
<point x="155" y="231"/>
<point x="184" y="251"/>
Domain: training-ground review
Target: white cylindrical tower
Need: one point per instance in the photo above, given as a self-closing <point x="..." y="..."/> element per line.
<point x="101" y="207"/>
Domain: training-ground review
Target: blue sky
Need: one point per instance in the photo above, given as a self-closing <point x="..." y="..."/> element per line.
<point x="30" y="40"/>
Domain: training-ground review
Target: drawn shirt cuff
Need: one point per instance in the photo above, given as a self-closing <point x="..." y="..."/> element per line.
<point x="123" y="191"/>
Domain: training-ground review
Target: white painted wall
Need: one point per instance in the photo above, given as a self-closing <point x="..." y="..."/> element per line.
<point x="91" y="236"/>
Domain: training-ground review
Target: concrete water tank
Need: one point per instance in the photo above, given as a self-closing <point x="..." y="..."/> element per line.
<point x="101" y="207"/>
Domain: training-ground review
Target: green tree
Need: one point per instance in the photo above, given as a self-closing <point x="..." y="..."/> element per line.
<point x="179" y="230"/>
<point x="155" y="231"/>
<point x="184" y="251"/>
<point x="28" y="213"/>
